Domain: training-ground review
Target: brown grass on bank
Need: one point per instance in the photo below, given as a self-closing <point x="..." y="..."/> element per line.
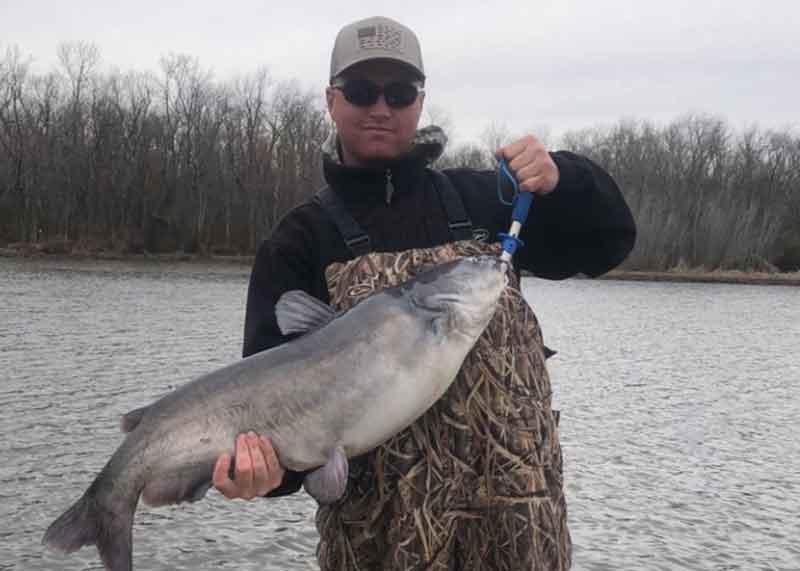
<point x="705" y="276"/>
<point x="66" y="250"/>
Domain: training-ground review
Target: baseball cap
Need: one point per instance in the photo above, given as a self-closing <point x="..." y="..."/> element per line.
<point x="376" y="38"/>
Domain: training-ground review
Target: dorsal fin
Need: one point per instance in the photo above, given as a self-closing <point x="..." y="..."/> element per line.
<point x="131" y="420"/>
<point x="299" y="312"/>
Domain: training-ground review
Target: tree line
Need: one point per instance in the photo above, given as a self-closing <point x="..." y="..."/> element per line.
<point x="179" y="161"/>
<point x="702" y="195"/>
<point x="143" y="161"/>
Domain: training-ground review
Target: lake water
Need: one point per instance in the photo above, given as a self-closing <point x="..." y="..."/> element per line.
<point x="679" y="415"/>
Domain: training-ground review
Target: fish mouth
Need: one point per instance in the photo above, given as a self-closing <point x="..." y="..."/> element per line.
<point x="493" y="261"/>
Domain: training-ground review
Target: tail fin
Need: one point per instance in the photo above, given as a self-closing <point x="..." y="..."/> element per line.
<point x="88" y="522"/>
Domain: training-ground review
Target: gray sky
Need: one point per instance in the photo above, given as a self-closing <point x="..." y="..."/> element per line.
<point x="532" y="65"/>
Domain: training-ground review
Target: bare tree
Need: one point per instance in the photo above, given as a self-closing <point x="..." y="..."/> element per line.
<point x="702" y="197"/>
<point x="439" y="116"/>
<point x="183" y="161"/>
<point x="494" y="136"/>
<point x="468" y="155"/>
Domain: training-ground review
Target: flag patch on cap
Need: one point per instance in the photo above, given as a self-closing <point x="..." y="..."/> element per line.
<point x="380" y="37"/>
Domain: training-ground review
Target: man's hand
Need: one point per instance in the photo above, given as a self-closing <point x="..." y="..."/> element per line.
<point x="531" y="164"/>
<point x="257" y="470"/>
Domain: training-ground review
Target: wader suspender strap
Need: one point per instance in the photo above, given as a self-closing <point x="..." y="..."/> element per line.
<point x="457" y="219"/>
<point x="358" y="241"/>
<point x="355" y="238"/>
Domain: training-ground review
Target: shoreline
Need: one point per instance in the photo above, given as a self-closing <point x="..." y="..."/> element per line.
<point x="677" y="276"/>
<point x="698" y="276"/>
<point x="111" y="256"/>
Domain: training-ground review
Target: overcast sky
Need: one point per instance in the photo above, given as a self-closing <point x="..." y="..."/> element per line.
<point x="541" y="65"/>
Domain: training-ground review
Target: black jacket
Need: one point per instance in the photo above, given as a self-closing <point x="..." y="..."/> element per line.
<point x="583" y="226"/>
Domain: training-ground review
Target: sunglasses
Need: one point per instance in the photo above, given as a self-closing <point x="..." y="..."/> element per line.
<point x="365" y="93"/>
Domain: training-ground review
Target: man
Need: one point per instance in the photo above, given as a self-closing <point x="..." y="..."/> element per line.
<point x="383" y="198"/>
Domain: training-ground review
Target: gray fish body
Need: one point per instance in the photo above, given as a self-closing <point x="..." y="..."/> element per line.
<point x="347" y="386"/>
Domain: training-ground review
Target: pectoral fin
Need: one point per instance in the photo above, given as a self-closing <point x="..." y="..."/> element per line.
<point x="298" y="312"/>
<point x="328" y="483"/>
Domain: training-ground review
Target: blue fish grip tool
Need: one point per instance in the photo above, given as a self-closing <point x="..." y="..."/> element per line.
<point x="521" y="205"/>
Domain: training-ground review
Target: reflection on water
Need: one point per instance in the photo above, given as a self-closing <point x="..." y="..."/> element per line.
<point x="678" y="401"/>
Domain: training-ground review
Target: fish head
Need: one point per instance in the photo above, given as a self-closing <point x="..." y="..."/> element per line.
<point x="459" y="296"/>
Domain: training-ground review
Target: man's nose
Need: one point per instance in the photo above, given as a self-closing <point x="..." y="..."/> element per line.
<point x="380" y="107"/>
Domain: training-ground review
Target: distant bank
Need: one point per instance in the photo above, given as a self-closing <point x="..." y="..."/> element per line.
<point x="686" y="276"/>
<point x="698" y="276"/>
<point x="57" y="250"/>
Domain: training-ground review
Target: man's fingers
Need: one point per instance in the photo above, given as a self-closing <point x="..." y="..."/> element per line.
<point x="533" y="177"/>
<point x="533" y="184"/>
<point x="244" y="467"/>
<point x="529" y="156"/>
<point x="274" y="470"/>
<point x="220" y="478"/>
<point x="532" y="165"/>
<point x="511" y="151"/>
<point x="260" y="473"/>
<point x="221" y="467"/>
<point x="257" y="469"/>
<point x="536" y="171"/>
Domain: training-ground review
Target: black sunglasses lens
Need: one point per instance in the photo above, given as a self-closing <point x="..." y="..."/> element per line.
<point x="400" y="94"/>
<point x="364" y="93"/>
<point x="361" y="93"/>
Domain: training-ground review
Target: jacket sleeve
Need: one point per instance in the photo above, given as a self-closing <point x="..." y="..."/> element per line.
<point x="274" y="272"/>
<point x="281" y="264"/>
<point x="583" y="226"/>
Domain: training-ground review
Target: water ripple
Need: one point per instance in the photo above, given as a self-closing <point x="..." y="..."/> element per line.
<point x="679" y="406"/>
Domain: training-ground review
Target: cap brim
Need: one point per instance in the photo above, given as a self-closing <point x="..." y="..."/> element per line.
<point x="393" y="59"/>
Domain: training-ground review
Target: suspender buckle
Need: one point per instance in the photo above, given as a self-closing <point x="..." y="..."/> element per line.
<point x="358" y="242"/>
<point x="464" y="224"/>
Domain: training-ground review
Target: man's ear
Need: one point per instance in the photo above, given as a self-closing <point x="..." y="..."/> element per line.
<point x="329" y="95"/>
<point x="421" y="106"/>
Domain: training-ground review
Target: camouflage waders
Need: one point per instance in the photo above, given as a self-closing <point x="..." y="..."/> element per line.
<point x="476" y="482"/>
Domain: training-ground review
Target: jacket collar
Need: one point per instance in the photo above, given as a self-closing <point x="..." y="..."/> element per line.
<point x="386" y="181"/>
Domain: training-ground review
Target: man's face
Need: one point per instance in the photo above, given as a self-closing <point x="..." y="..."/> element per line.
<point x="378" y="132"/>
